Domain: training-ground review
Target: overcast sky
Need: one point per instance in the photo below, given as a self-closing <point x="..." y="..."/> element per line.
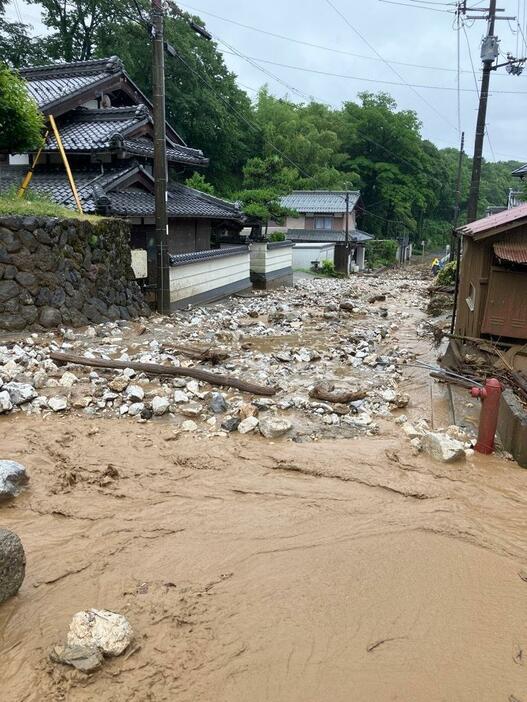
<point x="398" y="33"/>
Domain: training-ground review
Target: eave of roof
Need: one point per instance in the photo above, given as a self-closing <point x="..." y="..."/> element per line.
<point x="322" y="236"/>
<point x="495" y="224"/>
<point x="512" y="251"/>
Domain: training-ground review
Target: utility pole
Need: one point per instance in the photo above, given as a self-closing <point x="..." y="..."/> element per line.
<point x="347" y="219"/>
<point x="457" y="206"/>
<point x="162" y="268"/>
<point x="489" y="53"/>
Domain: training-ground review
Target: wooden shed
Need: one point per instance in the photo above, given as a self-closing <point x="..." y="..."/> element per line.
<point x="492" y="300"/>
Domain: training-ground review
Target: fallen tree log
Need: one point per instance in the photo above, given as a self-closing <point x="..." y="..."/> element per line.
<point x="157" y="369"/>
<point x="214" y="356"/>
<point x="326" y="393"/>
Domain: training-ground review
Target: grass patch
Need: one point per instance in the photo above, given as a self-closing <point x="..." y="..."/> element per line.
<point x="38" y="206"/>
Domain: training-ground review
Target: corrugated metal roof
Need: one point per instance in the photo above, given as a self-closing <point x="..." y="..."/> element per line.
<point x="519" y="172"/>
<point x="320" y="201"/>
<point x="497" y="221"/>
<point x="512" y="251"/>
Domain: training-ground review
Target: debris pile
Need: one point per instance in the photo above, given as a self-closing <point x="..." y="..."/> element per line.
<point x="321" y="359"/>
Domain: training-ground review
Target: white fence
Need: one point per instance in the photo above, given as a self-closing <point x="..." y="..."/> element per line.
<point x="271" y="263"/>
<point x="205" y="276"/>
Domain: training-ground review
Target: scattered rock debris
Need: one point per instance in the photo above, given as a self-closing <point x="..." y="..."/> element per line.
<point x="337" y="365"/>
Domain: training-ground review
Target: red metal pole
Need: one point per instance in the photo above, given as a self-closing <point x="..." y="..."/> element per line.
<point x="490" y="396"/>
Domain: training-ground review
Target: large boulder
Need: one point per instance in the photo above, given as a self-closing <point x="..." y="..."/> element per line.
<point x="110" y="632"/>
<point x="12" y="564"/>
<point x="13" y="477"/>
<point x="443" y="448"/>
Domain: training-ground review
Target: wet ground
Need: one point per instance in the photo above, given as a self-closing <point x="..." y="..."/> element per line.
<point x="338" y="570"/>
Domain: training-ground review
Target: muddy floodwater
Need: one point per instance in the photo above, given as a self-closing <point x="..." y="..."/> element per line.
<point x="344" y="570"/>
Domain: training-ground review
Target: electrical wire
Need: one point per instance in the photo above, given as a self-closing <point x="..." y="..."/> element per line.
<point x="366" y="80"/>
<point x="316" y="46"/>
<point x="394" y="70"/>
<point x="255" y="127"/>
<point x="417" y="7"/>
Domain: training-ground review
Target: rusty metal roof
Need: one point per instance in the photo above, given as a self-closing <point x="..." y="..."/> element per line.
<point x="512" y="251"/>
<point x="499" y="222"/>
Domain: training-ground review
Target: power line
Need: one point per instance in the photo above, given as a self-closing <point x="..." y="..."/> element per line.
<point x="417" y="7"/>
<point x="394" y="70"/>
<point x="259" y="129"/>
<point x="367" y="80"/>
<point x="316" y="46"/>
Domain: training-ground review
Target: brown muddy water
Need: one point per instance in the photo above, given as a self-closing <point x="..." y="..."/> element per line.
<point x="283" y="572"/>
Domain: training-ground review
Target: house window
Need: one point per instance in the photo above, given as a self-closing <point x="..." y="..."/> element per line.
<point x="323" y="222"/>
<point x="471" y="299"/>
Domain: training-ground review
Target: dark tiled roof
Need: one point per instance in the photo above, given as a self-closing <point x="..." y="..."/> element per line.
<point x="92" y="130"/>
<point x="182" y="202"/>
<point x="47" y="84"/>
<point x="322" y="236"/>
<point x="175" y="153"/>
<point x="87" y="130"/>
<point x="129" y="202"/>
<point x="322" y="201"/>
<point x="196" y="256"/>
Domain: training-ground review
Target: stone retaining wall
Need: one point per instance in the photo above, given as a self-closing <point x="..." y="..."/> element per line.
<point x="72" y="272"/>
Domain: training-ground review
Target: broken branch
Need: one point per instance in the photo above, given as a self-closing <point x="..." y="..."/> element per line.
<point x="157" y="369"/>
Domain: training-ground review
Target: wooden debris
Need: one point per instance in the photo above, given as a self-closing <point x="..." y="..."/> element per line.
<point x="347" y="306"/>
<point x="326" y="392"/>
<point x="377" y="298"/>
<point x="214" y="356"/>
<point x="156" y="369"/>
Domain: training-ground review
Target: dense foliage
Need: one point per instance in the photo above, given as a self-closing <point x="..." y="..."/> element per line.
<point x="20" y="121"/>
<point x="381" y="252"/>
<point x="263" y="148"/>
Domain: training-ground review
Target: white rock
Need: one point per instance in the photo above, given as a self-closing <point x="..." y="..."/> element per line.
<point x="135" y="393"/>
<point x="274" y="427"/>
<point x="20" y="392"/>
<point x="111" y="633"/>
<point x="13" y="477"/>
<point x="248" y="425"/>
<point x="189" y="426"/>
<point x="135" y="408"/>
<point x="193" y="409"/>
<point x="58" y="403"/>
<point x="68" y="380"/>
<point x="389" y="395"/>
<point x="180" y="397"/>
<point x="411" y="431"/>
<point x="119" y="383"/>
<point x="442" y="448"/>
<point x="362" y="420"/>
<point x="160" y="405"/>
<point x="5" y="402"/>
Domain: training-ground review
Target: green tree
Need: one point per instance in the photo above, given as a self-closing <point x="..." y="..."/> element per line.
<point x="20" y="121"/>
<point x="17" y="47"/>
<point x="263" y="204"/>
<point x="199" y="182"/>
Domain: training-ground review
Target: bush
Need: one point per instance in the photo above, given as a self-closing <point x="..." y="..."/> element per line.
<point x="380" y="253"/>
<point x="328" y="269"/>
<point x="447" y="276"/>
<point x="34" y="205"/>
<point x="21" y="123"/>
<point x="277" y="236"/>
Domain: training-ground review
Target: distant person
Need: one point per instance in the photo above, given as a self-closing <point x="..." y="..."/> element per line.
<point x="436" y="266"/>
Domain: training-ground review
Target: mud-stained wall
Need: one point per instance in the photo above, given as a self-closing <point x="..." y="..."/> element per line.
<point x="72" y="272"/>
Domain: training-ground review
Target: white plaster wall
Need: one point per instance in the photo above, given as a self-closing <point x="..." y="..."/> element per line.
<point x="203" y="276"/>
<point x="264" y="260"/>
<point x="303" y="254"/>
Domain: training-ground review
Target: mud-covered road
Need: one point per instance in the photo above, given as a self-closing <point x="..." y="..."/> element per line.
<point x="250" y="570"/>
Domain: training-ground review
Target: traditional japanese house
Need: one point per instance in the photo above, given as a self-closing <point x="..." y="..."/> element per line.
<point x="492" y="300"/>
<point x="105" y="124"/>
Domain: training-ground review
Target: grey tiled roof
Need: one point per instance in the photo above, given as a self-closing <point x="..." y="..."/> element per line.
<point x="196" y="256"/>
<point x="129" y="202"/>
<point x="87" y="130"/>
<point x="321" y="201"/>
<point x="47" y="84"/>
<point x="182" y="202"/>
<point x="326" y="236"/>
